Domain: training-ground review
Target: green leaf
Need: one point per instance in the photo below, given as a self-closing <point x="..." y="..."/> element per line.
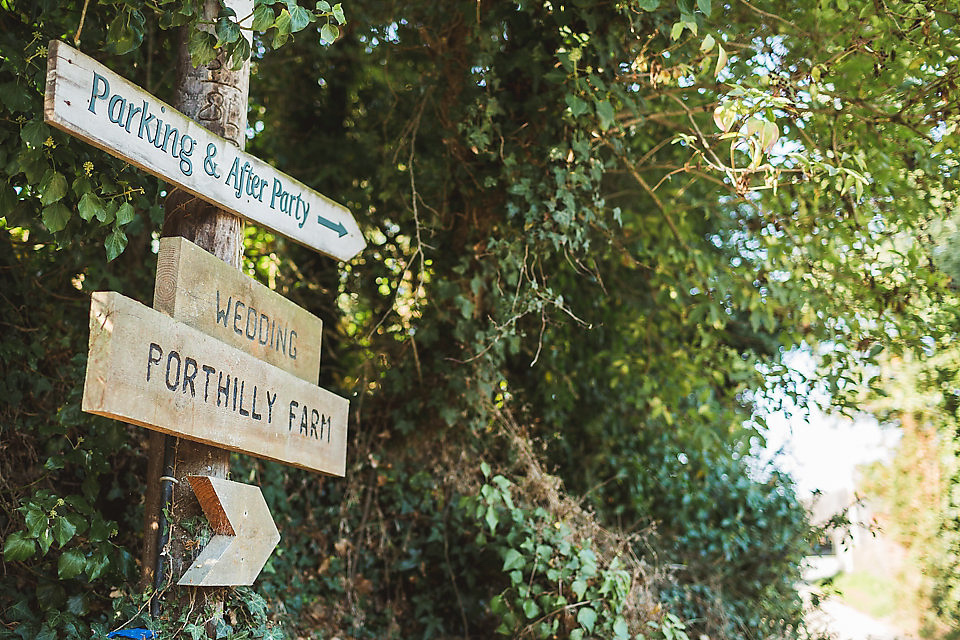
<point x="676" y="31"/>
<point x="36" y="520"/>
<point x="648" y="5"/>
<point x="338" y="14"/>
<point x="707" y="43"/>
<point x="324" y="6"/>
<point x="53" y="186"/>
<point x="71" y="564"/>
<point x="63" y="530"/>
<point x="721" y="59"/>
<point x="606" y="114"/>
<point x="77" y="604"/>
<point x="705" y="6"/>
<point x="115" y="243"/>
<point x="202" y="47"/>
<point x="577" y="105"/>
<point x="329" y="33"/>
<point x="491" y="518"/>
<point x="299" y="18"/>
<point x="227" y="31"/>
<point x="513" y="559"/>
<point x="18" y="547"/>
<point x="55" y="217"/>
<point x="284" y="23"/>
<point x="530" y="609"/>
<point x="263" y="17"/>
<point x="125" y="32"/>
<point x="35" y="133"/>
<point x="238" y="52"/>
<point x="45" y="539"/>
<point x="587" y="617"/>
<point x="620" y="629"/>
<point x="90" y="206"/>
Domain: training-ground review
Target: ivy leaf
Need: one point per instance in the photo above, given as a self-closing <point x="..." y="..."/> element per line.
<point x="530" y="609"/>
<point x="263" y="18"/>
<point x="18" y="547"/>
<point x="15" y="97"/>
<point x="620" y="629"/>
<point x="202" y="47"/>
<point x="284" y="23"/>
<point x="115" y="243"/>
<point x="512" y="559"/>
<point x="36" y="521"/>
<point x="55" y="217"/>
<point x="227" y="31"/>
<point x="721" y="59"/>
<point x="705" y="6"/>
<point x="63" y="530"/>
<point x="299" y="18"/>
<point x="676" y="31"/>
<point x="90" y="206"/>
<point x="329" y="33"/>
<point x="35" y="133"/>
<point x="576" y="104"/>
<point x="324" y="6"/>
<point x="587" y="618"/>
<point x="71" y="564"/>
<point x="125" y="32"/>
<point x="53" y="187"/>
<point x="125" y="214"/>
<point x="605" y="113"/>
<point x="648" y="5"/>
<point x="707" y="44"/>
<point x="45" y="539"/>
<point x="338" y="14"/>
<point x="238" y="53"/>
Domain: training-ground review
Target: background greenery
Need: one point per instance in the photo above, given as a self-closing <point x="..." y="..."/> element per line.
<point x="594" y="230"/>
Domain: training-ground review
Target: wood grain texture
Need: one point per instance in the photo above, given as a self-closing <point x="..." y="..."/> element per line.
<point x="145" y="368"/>
<point x="87" y="100"/>
<point x="196" y="288"/>
<point x="245" y="534"/>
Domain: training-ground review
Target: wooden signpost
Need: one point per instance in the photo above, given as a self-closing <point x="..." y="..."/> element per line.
<point x="220" y="359"/>
<point x="87" y="100"/>
<point x="245" y="534"/>
<point x="145" y="368"/>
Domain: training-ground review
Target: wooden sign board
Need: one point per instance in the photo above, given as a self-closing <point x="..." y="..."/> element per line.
<point x="87" y="100"/>
<point x="145" y="368"/>
<point x="196" y="288"/>
<point x="245" y="534"/>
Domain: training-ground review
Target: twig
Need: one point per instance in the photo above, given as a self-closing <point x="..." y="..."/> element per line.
<point x="83" y="16"/>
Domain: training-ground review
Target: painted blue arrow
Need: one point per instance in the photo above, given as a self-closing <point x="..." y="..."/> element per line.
<point x="336" y="226"/>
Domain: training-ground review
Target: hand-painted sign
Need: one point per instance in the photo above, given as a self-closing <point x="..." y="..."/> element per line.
<point x="245" y="534"/>
<point x="89" y="101"/>
<point x="199" y="290"/>
<point x="145" y="368"/>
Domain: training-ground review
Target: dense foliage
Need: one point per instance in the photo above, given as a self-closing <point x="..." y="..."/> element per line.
<point x="594" y="229"/>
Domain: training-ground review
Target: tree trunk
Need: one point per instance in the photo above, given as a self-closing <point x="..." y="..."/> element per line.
<point x="216" y="97"/>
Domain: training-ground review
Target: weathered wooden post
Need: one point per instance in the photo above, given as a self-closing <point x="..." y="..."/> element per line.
<point x="216" y="97"/>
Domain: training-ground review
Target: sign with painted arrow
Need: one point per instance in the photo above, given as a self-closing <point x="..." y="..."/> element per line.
<point x="87" y="100"/>
<point x="244" y="534"/>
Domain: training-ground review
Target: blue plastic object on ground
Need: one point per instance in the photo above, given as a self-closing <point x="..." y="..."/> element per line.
<point x="136" y="634"/>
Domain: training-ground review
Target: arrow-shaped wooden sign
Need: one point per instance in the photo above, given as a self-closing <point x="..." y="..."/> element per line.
<point x="245" y="534"/>
<point x="87" y="100"/>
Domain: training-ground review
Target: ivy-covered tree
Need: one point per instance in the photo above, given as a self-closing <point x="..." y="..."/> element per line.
<point x="593" y="231"/>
